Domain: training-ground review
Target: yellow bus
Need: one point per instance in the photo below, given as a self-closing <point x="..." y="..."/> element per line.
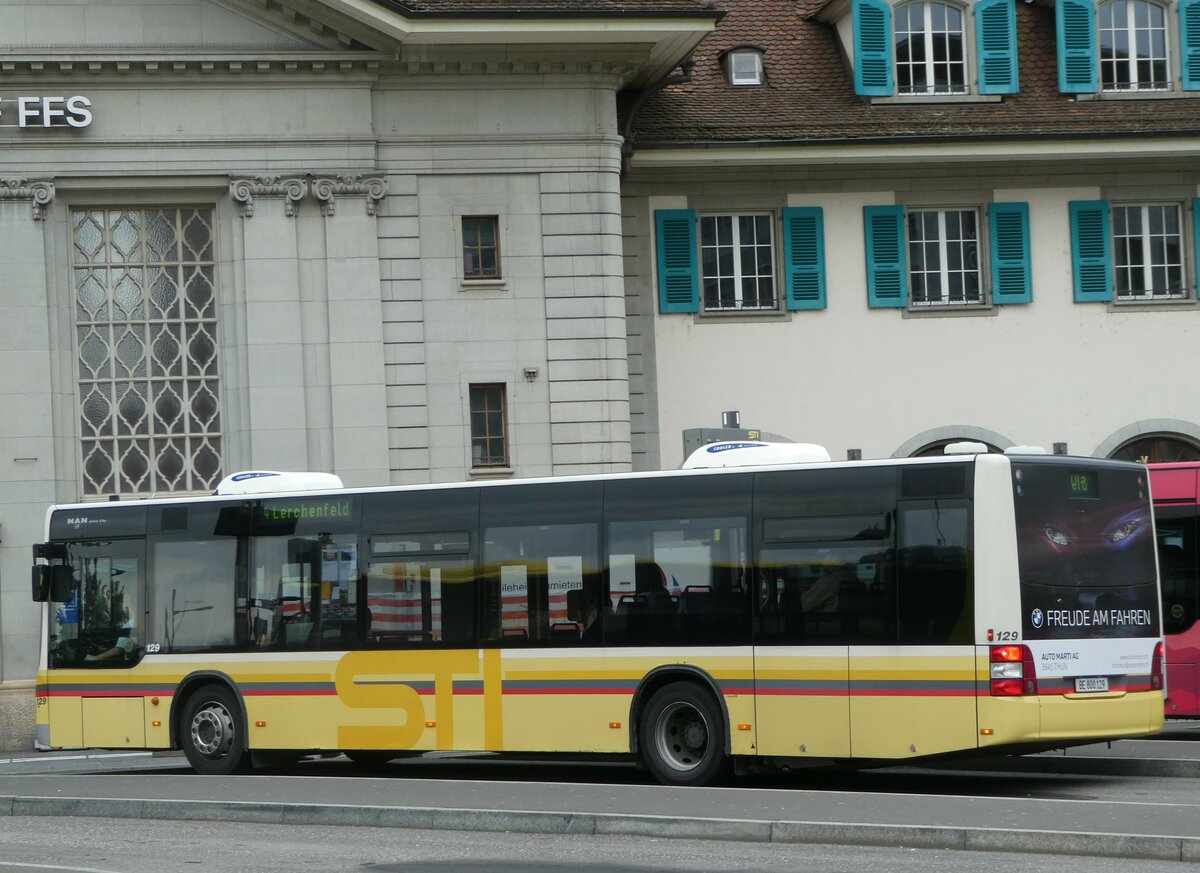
<point x="696" y="620"/>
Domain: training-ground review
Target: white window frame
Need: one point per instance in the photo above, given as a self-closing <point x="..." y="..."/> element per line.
<point x="741" y="77"/>
<point x="736" y="244"/>
<point x="1169" y="33"/>
<point x="1146" y="267"/>
<point x="927" y="36"/>
<point x="943" y="244"/>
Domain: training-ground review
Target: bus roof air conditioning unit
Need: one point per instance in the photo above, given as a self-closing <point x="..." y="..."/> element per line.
<point x="965" y="448"/>
<point x="272" y="482"/>
<point x="754" y="453"/>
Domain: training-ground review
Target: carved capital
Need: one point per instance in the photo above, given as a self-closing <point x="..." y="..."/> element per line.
<point x="327" y="190"/>
<point x="40" y="193"/>
<point x="291" y="188"/>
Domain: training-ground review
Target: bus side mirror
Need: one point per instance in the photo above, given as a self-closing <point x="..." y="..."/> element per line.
<point x="55" y="583"/>
<point x="41" y="583"/>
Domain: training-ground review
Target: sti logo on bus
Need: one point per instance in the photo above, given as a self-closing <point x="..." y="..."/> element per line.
<point x="1036" y="618"/>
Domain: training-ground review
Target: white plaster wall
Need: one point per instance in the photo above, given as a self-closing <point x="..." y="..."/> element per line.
<point x="854" y="377"/>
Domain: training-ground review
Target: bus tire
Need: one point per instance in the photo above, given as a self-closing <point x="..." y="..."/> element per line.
<point x="681" y="735"/>
<point x="212" y="732"/>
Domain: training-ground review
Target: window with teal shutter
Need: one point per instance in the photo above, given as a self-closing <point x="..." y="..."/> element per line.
<point x="873" y="75"/>
<point x="996" y="43"/>
<point x="1012" y="275"/>
<point x="678" y="280"/>
<point x="1077" y="53"/>
<point x="1189" y="43"/>
<point x="1196" y="239"/>
<point x="1091" y="250"/>
<point x="887" y="273"/>
<point x="804" y="256"/>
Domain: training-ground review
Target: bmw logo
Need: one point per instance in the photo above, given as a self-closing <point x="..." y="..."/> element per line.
<point x="1036" y="618"/>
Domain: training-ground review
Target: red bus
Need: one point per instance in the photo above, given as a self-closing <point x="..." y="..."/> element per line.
<point x="1175" y="488"/>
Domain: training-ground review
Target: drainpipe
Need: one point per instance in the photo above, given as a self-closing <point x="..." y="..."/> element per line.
<point x="685" y="75"/>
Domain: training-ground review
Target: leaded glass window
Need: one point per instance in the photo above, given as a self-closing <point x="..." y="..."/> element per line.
<point x="146" y="344"/>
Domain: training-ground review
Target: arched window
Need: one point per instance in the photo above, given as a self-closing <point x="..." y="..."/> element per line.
<point x="1133" y="46"/>
<point x="1157" y="448"/>
<point x="929" y="49"/>
<point x="938" y="448"/>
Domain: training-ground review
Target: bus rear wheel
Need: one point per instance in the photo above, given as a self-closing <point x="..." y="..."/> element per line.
<point x="211" y="732"/>
<point x="682" y="736"/>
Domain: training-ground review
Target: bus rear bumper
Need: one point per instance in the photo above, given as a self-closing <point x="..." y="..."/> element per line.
<point x="1069" y="719"/>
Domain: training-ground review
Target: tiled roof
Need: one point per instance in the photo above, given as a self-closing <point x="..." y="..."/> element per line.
<point x="809" y="95"/>
<point x="552" y="7"/>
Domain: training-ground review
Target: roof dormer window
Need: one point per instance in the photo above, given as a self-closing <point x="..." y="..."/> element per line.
<point x="744" y="66"/>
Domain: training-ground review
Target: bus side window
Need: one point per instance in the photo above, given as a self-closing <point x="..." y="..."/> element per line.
<point x="934" y="559"/>
<point x="540" y="574"/>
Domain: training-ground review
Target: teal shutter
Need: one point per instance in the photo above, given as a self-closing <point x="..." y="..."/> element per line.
<point x="1012" y="275"/>
<point x="678" y="276"/>
<point x="804" y="256"/>
<point x="1189" y="43"/>
<point x="874" y="74"/>
<point x="1196" y="237"/>
<point x="996" y="40"/>
<point x="1091" y="250"/>
<point x="887" y="270"/>
<point x="1078" y="57"/>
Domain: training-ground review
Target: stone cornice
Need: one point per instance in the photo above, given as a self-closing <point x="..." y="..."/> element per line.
<point x="84" y="63"/>
<point x="326" y="190"/>
<point x="40" y="193"/>
<point x="89" y="61"/>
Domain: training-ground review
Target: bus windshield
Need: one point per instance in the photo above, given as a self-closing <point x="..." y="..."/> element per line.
<point x="1085" y="550"/>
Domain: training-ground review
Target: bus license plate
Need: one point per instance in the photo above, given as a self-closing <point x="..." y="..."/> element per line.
<point x="1088" y="684"/>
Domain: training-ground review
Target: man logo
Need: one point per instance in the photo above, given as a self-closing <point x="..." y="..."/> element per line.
<point x="1037" y="618"/>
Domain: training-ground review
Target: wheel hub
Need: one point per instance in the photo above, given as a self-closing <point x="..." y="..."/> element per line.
<point x="212" y="731"/>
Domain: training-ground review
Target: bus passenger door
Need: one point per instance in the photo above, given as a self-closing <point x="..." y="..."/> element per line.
<point x="913" y="693"/>
<point x="801" y="675"/>
<point x="100" y="628"/>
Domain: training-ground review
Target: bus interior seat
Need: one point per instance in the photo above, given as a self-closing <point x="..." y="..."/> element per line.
<point x="566" y="630"/>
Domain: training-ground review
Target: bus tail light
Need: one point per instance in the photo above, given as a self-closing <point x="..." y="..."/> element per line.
<point x="1012" y="671"/>
<point x="1156" y="667"/>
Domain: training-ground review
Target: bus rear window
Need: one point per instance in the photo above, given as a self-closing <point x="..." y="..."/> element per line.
<point x="1085" y="550"/>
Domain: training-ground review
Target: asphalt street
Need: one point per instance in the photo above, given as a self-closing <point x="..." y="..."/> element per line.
<point x="1066" y="803"/>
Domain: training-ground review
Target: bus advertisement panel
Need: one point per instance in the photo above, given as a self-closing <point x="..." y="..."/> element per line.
<point x="1176" y="491"/>
<point x="697" y="621"/>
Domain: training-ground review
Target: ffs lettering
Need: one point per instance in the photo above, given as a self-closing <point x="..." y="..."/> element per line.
<point x="52" y="111"/>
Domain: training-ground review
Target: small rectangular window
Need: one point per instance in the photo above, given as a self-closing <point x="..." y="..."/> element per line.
<point x="943" y="253"/>
<point x="481" y="247"/>
<point x="1148" y="252"/>
<point x="737" y="262"/>
<point x="745" y="68"/>
<point x="489" y="426"/>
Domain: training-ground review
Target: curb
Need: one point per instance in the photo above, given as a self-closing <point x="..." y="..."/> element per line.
<point x="1081" y="765"/>
<point x="1158" y="848"/>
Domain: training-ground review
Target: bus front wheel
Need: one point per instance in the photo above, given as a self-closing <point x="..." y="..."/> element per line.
<point x="682" y="736"/>
<point x="211" y="732"/>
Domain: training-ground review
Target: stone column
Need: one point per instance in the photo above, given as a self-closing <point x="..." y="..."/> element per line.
<point x="277" y="423"/>
<point x="27" y="456"/>
<point x="354" y="316"/>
